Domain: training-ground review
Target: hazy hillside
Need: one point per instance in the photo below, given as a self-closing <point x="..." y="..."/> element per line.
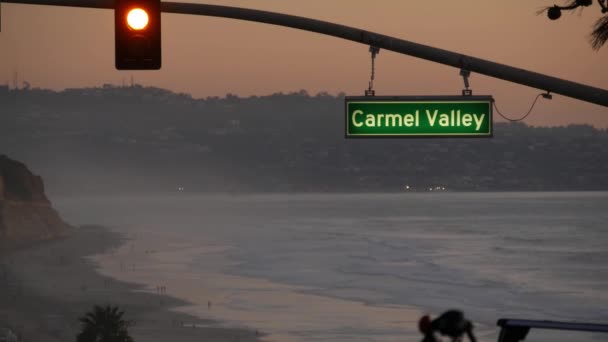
<point x="115" y="139"/>
<point x="26" y="215"/>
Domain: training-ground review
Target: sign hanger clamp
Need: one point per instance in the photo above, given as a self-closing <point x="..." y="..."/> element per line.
<point x="374" y="52"/>
<point x="465" y="77"/>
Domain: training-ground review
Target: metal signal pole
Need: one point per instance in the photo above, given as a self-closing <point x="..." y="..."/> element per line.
<point x="501" y="71"/>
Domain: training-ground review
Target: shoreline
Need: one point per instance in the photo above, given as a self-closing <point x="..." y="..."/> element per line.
<point x="195" y="271"/>
<point x="51" y="284"/>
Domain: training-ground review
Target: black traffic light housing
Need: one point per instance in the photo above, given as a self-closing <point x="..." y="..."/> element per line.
<point x="138" y="47"/>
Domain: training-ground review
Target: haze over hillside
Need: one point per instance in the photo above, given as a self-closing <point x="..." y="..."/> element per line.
<point x="136" y="139"/>
<point x="26" y="214"/>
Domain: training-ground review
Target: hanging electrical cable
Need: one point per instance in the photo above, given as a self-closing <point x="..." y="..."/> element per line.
<point x="468" y="92"/>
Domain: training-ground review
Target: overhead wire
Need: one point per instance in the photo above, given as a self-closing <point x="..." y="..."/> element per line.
<point x="526" y="115"/>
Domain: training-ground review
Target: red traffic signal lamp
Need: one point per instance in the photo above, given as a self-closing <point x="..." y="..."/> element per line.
<point x="137" y="34"/>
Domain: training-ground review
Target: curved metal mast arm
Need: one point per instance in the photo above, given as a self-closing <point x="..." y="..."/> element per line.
<point x="501" y="71"/>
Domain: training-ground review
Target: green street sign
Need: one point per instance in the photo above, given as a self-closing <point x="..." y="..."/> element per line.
<point x="419" y="116"/>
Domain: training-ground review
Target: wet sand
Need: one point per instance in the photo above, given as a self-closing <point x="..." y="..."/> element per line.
<point x="47" y="287"/>
<point x="194" y="269"/>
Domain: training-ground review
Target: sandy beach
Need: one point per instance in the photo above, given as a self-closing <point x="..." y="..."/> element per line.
<point x="49" y="285"/>
<point x="194" y="270"/>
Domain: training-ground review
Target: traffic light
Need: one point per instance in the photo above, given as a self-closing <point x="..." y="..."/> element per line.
<point x="137" y="34"/>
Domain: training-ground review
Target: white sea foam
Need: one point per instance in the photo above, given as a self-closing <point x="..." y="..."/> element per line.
<point x="364" y="267"/>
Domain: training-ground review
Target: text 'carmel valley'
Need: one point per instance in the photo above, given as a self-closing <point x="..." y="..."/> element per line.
<point x="431" y="118"/>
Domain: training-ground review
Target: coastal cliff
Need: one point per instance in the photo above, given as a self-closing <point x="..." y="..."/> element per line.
<point x="26" y="214"/>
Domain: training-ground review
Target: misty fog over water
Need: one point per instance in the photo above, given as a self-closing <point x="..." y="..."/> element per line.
<point x="364" y="266"/>
<point x="256" y="216"/>
<point x="305" y="266"/>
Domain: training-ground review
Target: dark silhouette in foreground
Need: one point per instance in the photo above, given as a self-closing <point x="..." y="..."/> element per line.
<point x="104" y="324"/>
<point x="451" y="323"/>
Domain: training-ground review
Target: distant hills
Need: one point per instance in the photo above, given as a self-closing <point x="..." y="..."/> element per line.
<point x="142" y="139"/>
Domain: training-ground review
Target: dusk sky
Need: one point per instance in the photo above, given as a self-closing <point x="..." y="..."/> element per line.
<point x="60" y="47"/>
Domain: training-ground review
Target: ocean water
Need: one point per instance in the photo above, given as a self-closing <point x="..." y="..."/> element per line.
<point x="365" y="267"/>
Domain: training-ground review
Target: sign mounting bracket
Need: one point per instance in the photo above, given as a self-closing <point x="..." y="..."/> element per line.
<point x="465" y="77"/>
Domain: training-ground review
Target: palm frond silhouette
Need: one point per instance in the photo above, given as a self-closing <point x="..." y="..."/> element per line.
<point x="104" y="324"/>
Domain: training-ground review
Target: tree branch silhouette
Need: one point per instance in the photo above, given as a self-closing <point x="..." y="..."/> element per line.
<point x="599" y="35"/>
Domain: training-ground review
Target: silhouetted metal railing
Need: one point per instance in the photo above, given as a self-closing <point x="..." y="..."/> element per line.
<point x="515" y="330"/>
